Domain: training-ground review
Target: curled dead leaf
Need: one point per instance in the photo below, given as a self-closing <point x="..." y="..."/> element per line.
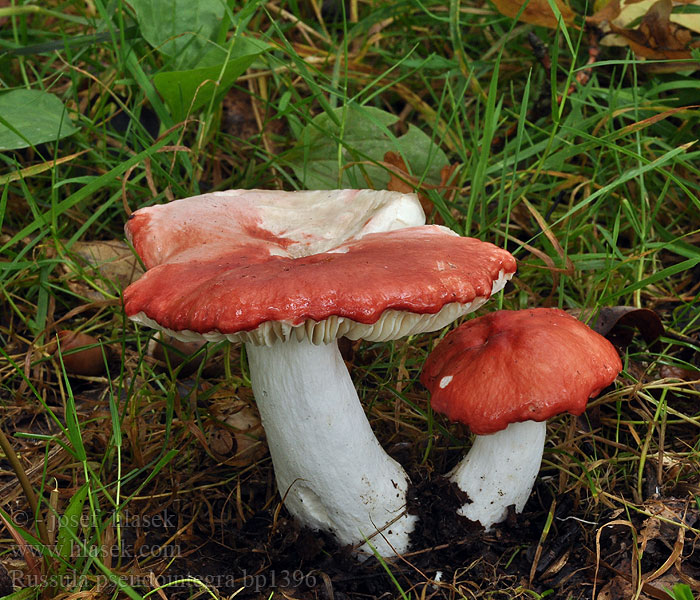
<point x="239" y="437"/>
<point x="674" y="372"/>
<point x="536" y="12"/>
<point x="400" y="180"/>
<point x="657" y="36"/>
<point x="398" y="175"/>
<point x="618" y="323"/>
<point x="608" y="13"/>
<point x="616" y="588"/>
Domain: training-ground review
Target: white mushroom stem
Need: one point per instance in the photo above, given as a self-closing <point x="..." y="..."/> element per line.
<point x="330" y="469"/>
<point x="499" y="470"/>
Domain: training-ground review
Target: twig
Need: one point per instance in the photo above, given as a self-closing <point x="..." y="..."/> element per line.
<point x="26" y="486"/>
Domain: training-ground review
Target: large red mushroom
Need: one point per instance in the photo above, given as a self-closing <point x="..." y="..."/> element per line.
<point x="503" y="375"/>
<point x="288" y="273"/>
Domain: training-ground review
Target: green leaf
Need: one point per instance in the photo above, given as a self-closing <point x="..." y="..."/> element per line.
<point x="181" y="29"/>
<point x="24" y="594"/>
<point x="31" y="117"/>
<point x="68" y="524"/>
<point x="365" y="136"/>
<point x="681" y="591"/>
<point x="187" y="91"/>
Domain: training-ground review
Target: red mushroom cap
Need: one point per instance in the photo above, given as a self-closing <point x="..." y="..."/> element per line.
<point x="416" y="269"/>
<point x="513" y="366"/>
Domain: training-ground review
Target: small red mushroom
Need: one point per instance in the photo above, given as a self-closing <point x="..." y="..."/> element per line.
<point x="81" y="353"/>
<point x="503" y="375"/>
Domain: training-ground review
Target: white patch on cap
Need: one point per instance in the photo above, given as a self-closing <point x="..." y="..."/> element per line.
<point x="445" y="381"/>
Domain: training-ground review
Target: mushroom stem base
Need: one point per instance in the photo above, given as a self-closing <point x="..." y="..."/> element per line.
<point x="499" y="470"/>
<point x="331" y="471"/>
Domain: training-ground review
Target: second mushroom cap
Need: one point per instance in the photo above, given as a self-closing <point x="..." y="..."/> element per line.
<point x="514" y="366"/>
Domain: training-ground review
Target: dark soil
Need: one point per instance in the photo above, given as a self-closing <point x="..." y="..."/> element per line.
<point x="451" y="555"/>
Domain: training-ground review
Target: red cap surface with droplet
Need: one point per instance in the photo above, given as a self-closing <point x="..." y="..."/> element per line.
<point x="417" y="269"/>
<point x="514" y="366"/>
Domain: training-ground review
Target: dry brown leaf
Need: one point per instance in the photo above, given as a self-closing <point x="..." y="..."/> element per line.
<point x="656" y="37"/>
<point x="616" y="588"/>
<point x="398" y="177"/>
<point x="113" y="259"/>
<point x="248" y="436"/>
<point x="655" y="119"/>
<point x="671" y="515"/>
<point x="237" y="437"/>
<point x="618" y="323"/>
<point x="607" y="14"/>
<point x="660" y="35"/>
<point x="673" y="372"/>
<point x="169" y="350"/>
<point x="624" y="13"/>
<point x="536" y="12"/>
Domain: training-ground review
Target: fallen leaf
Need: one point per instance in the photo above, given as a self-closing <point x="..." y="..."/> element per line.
<point x="618" y="323"/>
<point x="401" y="181"/>
<point x="239" y="437"/>
<point x="112" y="259"/>
<point x="623" y="13"/>
<point x="688" y="20"/>
<point x="657" y="37"/>
<point x="616" y="588"/>
<point x="660" y="34"/>
<point x="667" y="527"/>
<point x="248" y="435"/>
<point x="536" y="12"/>
<point x="608" y="13"/>
<point x="673" y="372"/>
<point x="398" y="176"/>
